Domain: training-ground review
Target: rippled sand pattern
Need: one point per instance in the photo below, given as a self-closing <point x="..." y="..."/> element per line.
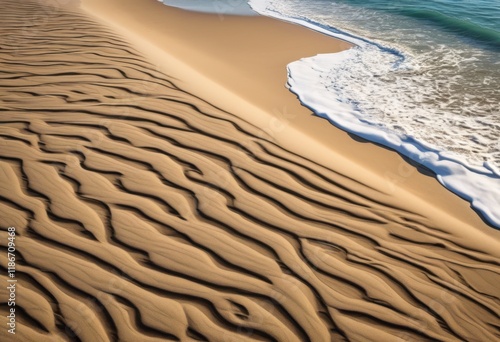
<point x="144" y="213"/>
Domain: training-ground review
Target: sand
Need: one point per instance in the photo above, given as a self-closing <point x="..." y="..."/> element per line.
<point x="165" y="185"/>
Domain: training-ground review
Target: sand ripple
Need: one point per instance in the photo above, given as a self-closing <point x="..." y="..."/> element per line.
<point x="145" y="213"/>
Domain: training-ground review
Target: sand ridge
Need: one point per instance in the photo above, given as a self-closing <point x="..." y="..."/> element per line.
<point x="145" y="213"/>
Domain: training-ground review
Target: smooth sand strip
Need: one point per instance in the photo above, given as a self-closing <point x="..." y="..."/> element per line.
<point x="146" y="213"/>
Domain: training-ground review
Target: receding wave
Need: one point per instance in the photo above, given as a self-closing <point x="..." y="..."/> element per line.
<point x="144" y="213"/>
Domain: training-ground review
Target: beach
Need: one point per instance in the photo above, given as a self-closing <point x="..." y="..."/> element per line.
<point x="164" y="184"/>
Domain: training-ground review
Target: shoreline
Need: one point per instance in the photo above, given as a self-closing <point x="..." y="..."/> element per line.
<point x="277" y="110"/>
<point x="475" y="184"/>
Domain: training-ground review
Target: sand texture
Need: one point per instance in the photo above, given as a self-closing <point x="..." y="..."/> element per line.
<point x="145" y="213"/>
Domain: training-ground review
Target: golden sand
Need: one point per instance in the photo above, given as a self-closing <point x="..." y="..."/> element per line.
<point x="165" y="185"/>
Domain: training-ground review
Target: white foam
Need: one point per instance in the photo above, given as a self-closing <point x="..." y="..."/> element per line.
<point x="316" y="82"/>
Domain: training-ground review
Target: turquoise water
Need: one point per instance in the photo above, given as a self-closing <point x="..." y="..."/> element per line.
<point x="477" y="20"/>
<point x="483" y="13"/>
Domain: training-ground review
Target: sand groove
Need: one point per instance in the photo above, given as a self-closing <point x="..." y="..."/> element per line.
<point x="144" y="213"/>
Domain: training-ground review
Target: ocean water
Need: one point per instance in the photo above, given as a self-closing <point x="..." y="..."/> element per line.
<point x="220" y="7"/>
<point x="422" y="79"/>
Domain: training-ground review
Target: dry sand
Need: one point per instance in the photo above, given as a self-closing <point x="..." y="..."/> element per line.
<point x="165" y="185"/>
